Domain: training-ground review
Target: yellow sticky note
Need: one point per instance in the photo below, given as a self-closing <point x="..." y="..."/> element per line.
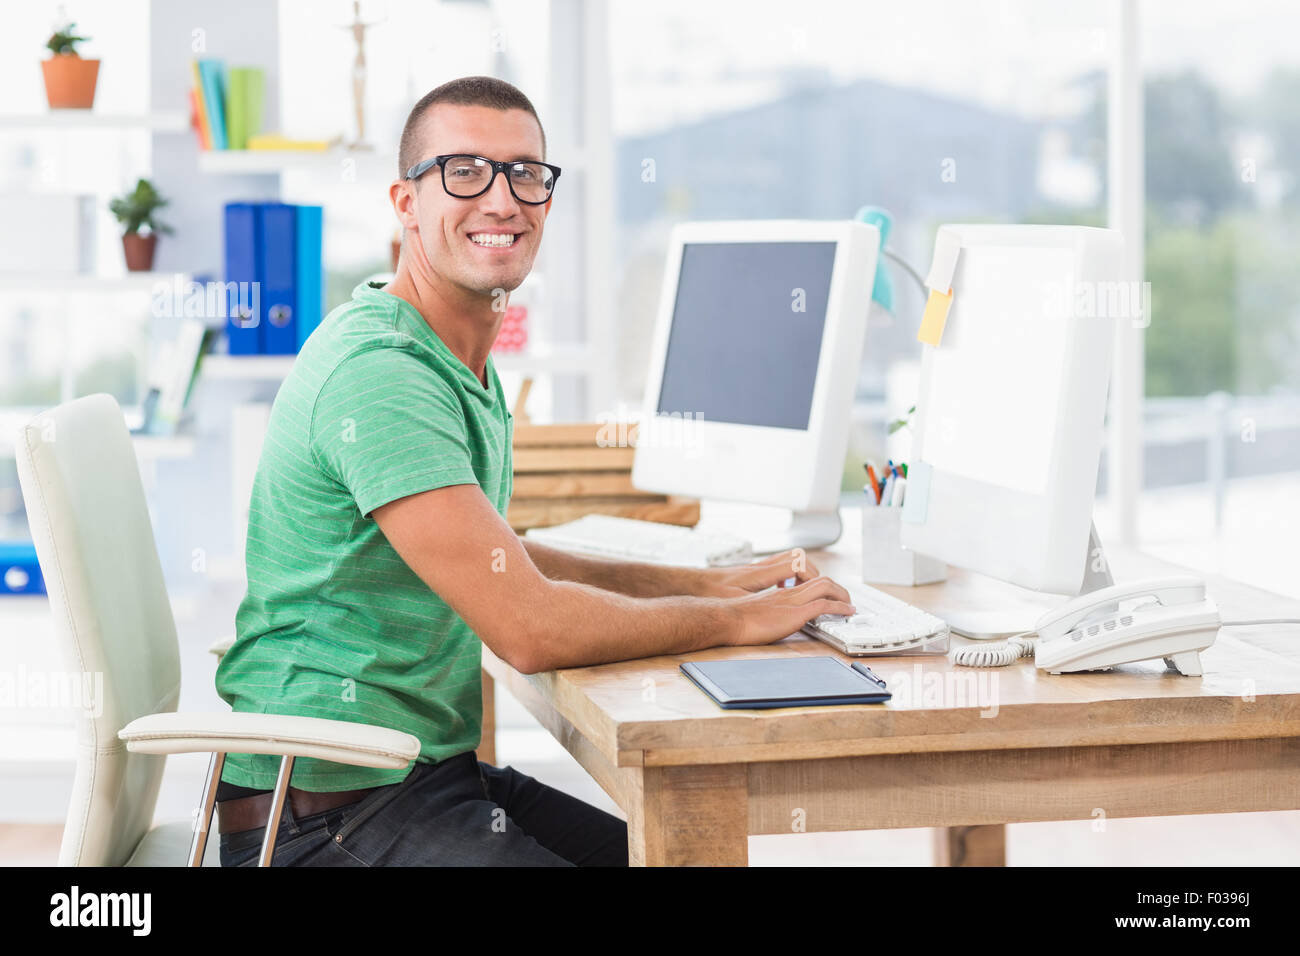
<point x="935" y="317"/>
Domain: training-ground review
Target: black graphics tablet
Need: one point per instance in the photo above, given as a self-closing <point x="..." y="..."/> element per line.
<point x="786" y="682"/>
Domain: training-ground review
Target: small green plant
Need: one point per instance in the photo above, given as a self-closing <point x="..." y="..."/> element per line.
<point x="900" y="423"/>
<point x="136" y="209"/>
<point x="65" y="40"/>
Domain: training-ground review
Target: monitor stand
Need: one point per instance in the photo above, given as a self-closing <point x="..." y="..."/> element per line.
<point x="1096" y="572"/>
<point x="807" y="530"/>
<point x="998" y="625"/>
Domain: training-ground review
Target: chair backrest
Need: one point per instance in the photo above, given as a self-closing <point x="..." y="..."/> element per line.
<point x="89" y="521"/>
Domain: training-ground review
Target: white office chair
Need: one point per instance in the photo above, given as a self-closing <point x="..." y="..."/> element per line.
<point x="86" y="506"/>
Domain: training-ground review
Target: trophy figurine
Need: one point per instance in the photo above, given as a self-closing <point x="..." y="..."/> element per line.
<point x="359" y="76"/>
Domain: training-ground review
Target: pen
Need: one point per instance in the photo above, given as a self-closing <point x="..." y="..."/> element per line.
<point x="866" y="672"/>
<point x="875" y="484"/>
<point x="900" y="489"/>
<point x="887" y="491"/>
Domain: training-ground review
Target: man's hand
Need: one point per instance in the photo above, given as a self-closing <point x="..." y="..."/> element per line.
<point x="744" y="579"/>
<point x="779" y="612"/>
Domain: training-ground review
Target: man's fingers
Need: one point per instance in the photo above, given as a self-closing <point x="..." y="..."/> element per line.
<point x="795" y="564"/>
<point x="821" y="587"/>
<point x="829" y="606"/>
<point x="800" y="567"/>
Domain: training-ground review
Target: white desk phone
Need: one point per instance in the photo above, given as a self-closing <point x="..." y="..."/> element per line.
<point x="1172" y="618"/>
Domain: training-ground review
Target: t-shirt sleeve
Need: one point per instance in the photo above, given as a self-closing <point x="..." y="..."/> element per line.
<point x="386" y="425"/>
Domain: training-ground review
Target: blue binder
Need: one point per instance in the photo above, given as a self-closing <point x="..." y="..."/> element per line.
<point x="311" y="275"/>
<point x="278" y="274"/>
<point x="20" y="572"/>
<point x="244" y="305"/>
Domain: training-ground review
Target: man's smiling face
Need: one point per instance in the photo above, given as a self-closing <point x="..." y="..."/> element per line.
<point x="487" y="243"/>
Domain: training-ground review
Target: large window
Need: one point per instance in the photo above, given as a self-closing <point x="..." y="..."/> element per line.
<point x="1223" y="235"/>
<point x="937" y="111"/>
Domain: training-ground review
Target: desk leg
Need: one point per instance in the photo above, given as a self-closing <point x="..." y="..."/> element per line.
<point x="689" y="816"/>
<point x="487" y="745"/>
<point x="971" y="846"/>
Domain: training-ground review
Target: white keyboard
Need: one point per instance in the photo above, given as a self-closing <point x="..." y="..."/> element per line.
<point x="883" y="625"/>
<point x="629" y="539"/>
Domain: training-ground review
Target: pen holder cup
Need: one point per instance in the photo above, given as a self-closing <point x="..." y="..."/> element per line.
<point x="885" y="560"/>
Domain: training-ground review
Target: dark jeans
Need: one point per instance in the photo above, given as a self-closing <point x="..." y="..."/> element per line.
<point x="455" y="813"/>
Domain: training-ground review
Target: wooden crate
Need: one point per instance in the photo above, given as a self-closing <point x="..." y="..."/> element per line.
<point x="562" y="472"/>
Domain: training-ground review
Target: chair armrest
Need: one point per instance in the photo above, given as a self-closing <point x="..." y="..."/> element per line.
<point x="219" y="647"/>
<point x="340" y="741"/>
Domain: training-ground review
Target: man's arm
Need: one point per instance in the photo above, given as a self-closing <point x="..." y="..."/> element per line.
<point x="459" y="545"/>
<point x="651" y="580"/>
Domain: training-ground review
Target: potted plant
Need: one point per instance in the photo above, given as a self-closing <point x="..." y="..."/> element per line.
<point x="135" y="211"/>
<point x="69" y="80"/>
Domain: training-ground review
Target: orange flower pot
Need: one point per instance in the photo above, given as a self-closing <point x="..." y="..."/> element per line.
<point x="70" y="81"/>
<point x="139" y="251"/>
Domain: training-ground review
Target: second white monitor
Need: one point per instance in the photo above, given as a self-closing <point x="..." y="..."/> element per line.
<point x="1010" y="414"/>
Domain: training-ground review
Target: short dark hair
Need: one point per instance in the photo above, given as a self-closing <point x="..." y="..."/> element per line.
<point x="466" y="91"/>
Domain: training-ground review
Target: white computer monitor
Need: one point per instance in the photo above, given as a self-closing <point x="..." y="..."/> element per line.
<point x="1010" y="412"/>
<point x="753" y="368"/>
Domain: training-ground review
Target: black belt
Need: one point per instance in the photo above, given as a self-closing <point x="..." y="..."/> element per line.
<point x="250" y="813"/>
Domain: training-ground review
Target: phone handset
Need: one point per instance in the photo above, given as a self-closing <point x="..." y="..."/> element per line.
<point x="1182" y="589"/>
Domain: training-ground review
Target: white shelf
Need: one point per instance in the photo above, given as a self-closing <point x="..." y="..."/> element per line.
<point x="163" y="447"/>
<point x="263" y="161"/>
<point x="147" y="447"/>
<point x="55" y="282"/>
<point x="166" y="121"/>
<point x="266" y="368"/>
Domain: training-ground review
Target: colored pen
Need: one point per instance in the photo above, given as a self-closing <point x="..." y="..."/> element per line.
<point x="900" y="489"/>
<point x="875" y="483"/>
<point x="887" y="490"/>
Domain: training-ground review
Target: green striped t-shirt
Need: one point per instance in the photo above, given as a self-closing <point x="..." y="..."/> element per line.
<point x="334" y="623"/>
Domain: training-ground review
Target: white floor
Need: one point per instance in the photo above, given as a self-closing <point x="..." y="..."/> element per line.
<point x="1256" y="544"/>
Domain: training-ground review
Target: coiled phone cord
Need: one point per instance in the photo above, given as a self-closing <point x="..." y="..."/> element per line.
<point x="999" y="654"/>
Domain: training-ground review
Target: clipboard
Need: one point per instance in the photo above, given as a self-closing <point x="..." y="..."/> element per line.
<point x="766" y="683"/>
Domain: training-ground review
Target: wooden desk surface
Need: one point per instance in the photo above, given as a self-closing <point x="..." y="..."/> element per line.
<point x="647" y="713"/>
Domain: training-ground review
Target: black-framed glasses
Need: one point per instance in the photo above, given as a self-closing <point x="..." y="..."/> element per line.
<point x="465" y="176"/>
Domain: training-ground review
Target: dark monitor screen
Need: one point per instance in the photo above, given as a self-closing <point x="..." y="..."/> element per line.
<point x="747" y="332"/>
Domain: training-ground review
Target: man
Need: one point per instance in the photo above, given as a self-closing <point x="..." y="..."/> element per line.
<point x="378" y="556"/>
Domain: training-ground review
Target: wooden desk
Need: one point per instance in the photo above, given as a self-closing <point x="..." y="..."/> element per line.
<point x="963" y="749"/>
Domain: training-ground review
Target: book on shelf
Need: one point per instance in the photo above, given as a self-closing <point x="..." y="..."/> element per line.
<point x="274" y="141"/>
<point x="199" y="111"/>
<point x="212" y="83"/>
<point x="246" y="95"/>
<point x="226" y="105"/>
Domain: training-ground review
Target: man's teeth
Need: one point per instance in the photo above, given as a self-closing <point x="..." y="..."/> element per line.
<point x="492" y="238"/>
